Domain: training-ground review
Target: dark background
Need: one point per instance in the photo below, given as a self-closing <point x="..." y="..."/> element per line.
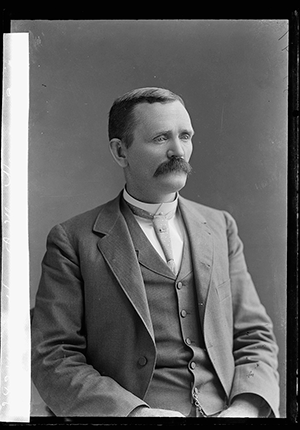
<point x="233" y="78"/>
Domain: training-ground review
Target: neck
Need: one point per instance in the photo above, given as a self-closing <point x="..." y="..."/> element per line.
<point x="163" y="198"/>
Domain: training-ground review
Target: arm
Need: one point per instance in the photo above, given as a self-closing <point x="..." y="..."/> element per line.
<point x="144" y="411"/>
<point x="247" y="405"/>
<point x="254" y="346"/>
<point x="66" y="382"/>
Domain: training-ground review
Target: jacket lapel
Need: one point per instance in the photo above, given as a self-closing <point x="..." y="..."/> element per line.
<point x="201" y="244"/>
<point x="214" y="330"/>
<point x="117" y="249"/>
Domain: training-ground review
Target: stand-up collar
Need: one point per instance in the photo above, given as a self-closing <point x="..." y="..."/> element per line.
<point x="166" y="208"/>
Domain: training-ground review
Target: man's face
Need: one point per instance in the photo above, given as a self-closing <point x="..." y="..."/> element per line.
<point x="163" y="131"/>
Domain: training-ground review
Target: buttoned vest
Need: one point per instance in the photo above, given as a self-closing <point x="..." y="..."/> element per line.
<point x="183" y="369"/>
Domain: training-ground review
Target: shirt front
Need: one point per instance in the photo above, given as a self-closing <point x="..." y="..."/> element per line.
<point x="169" y="209"/>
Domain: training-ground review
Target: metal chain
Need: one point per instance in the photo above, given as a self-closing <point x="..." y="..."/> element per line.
<point x="197" y="403"/>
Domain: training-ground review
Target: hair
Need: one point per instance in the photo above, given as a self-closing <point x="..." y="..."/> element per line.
<point x="121" y="121"/>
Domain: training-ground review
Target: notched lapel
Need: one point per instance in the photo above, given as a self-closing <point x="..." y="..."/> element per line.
<point x="117" y="249"/>
<point x="201" y="244"/>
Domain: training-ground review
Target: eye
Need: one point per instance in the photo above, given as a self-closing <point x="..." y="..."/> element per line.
<point x="160" y="139"/>
<point x="185" y="136"/>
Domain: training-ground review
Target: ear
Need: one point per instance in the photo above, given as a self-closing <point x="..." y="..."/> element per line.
<point x="118" y="150"/>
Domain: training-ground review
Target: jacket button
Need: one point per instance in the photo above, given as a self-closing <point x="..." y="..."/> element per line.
<point x="142" y="361"/>
<point x="179" y="285"/>
<point x="183" y="313"/>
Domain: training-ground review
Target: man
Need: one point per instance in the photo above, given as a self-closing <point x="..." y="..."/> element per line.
<point x="126" y="324"/>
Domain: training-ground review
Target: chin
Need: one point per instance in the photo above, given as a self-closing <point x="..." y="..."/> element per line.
<point x="174" y="183"/>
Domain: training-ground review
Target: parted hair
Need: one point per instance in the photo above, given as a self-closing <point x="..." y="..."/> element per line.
<point x="121" y="120"/>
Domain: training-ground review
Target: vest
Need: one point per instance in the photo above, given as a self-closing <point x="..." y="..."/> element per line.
<point x="183" y="369"/>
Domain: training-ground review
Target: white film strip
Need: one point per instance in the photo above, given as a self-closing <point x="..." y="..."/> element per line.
<point x="15" y="317"/>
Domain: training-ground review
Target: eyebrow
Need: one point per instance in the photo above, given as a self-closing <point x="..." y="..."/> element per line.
<point x="190" y="131"/>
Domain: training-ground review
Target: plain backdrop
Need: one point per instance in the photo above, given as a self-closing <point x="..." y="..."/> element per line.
<point x="233" y="78"/>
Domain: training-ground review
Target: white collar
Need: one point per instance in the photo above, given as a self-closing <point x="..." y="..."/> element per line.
<point x="165" y="208"/>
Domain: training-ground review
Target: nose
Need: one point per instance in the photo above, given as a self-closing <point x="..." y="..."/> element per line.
<point x="175" y="149"/>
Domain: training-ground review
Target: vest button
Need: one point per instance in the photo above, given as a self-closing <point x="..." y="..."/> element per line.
<point x="192" y="365"/>
<point x="142" y="361"/>
<point x="183" y="313"/>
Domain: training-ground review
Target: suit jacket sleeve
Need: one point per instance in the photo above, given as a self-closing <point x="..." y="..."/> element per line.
<point x="254" y="345"/>
<point x="66" y="382"/>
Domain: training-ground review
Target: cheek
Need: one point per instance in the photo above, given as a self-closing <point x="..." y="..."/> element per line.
<point x="188" y="151"/>
<point x="148" y="160"/>
<point x="142" y="165"/>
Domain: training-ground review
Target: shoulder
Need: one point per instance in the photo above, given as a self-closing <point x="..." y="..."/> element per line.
<point x="82" y="225"/>
<point x="220" y="223"/>
<point x="210" y="215"/>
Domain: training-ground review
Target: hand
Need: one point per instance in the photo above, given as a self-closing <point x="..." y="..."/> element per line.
<point x="144" y="411"/>
<point x="236" y="411"/>
<point x="244" y="406"/>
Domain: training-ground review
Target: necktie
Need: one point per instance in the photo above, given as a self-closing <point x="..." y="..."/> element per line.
<point x="161" y="228"/>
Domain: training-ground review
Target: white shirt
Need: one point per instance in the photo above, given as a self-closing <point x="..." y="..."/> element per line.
<point x="174" y="221"/>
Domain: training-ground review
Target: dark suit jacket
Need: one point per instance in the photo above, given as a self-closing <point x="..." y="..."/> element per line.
<point x="92" y="324"/>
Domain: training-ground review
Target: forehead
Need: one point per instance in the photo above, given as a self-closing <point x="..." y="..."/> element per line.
<point x="161" y="115"/>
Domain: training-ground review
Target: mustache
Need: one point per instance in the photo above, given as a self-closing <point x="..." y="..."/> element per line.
<point x="175" y="164"/>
